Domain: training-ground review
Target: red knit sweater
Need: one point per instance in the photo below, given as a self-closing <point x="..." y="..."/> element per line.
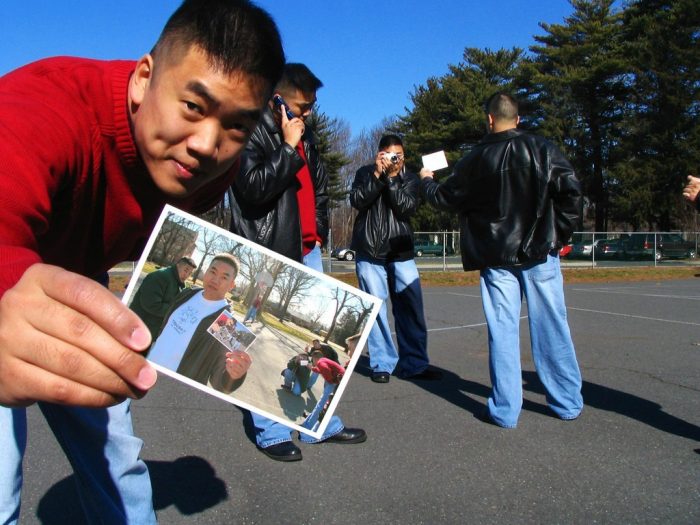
<point x="306" y="199"/>
<point x="73" y="191"/>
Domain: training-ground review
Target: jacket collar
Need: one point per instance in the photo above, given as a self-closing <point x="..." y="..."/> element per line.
<point x="503" y="135"/>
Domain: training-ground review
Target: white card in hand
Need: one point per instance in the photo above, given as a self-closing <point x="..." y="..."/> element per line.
<point x="435" y="161"/>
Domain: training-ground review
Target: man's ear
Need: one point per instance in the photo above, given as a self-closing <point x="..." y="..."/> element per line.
<point x="141" y="79"/>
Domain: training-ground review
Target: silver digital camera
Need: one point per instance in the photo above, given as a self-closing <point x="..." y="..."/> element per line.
<point x="393" y="157"/>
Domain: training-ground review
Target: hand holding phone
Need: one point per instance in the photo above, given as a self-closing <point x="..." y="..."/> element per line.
<point x="279" y="102"/>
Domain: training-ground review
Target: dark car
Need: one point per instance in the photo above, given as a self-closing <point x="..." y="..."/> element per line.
<point x="421" y="248"/>
<point x="608" y="249"/>
<point x="668" y="245"/>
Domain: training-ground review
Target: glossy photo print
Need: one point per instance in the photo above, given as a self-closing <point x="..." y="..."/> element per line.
<point x="244" y="324"/>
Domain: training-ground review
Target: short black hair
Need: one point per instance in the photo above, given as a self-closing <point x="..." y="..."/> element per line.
<point x="298" y="76"/>
<point x="189" y="261"/>
<point x="229" y="259"/>
<point x="390" y="140"/>
<point x="236" y="35"/>
<point x="503" y="106"/>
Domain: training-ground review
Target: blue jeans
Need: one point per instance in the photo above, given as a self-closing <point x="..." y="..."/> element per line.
<point x="314" y="260"/>
<point x="269" y="432"/>
<point x="552" y="348"/>
<point x="252" y="312"/>
<point x="113" y="483"/>
<point x="312" y="421"/>
<point x="399" y="281"/>
<point x="290" y="380"/>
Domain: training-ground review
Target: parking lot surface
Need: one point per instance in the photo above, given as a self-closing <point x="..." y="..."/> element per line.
<point x="632" y="457"/>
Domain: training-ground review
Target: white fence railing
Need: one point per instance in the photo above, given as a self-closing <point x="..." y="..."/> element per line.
<point x="440" y="250"/>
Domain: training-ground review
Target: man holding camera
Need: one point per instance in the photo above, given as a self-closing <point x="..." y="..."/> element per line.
<point x="386" y="195"/>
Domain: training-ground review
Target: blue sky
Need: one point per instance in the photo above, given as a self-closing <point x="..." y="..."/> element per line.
<point x="369" y="54"/>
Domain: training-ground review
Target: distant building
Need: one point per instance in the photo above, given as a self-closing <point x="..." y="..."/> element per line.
<point x="174" y="241"/>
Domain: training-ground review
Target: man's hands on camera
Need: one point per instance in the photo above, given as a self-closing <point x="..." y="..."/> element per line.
<point x="66" y="339"/>
<point x="237" y="364"/>
<point x="383" y="163"/>
<point x="292" y="130"/>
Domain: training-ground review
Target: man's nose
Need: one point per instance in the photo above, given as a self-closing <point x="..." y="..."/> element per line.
<point x="204" y="141"/>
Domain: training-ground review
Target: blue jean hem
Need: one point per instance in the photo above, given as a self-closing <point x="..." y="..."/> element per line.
<point x="314" y="441"/>
<point x="275" y="442"/>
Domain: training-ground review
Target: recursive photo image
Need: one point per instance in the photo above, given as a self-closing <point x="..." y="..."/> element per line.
<point x="247" y="325"/>
<point x="232" y="334"/>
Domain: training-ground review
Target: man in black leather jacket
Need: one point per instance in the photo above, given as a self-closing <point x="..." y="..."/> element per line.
<point x="280" y="201"/>
<point x="266" y="203"/>
<point x="518" y="200"/>
<point x="386" y="196"/>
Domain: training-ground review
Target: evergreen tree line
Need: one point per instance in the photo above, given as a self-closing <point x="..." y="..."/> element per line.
<point x="616" y="88"/>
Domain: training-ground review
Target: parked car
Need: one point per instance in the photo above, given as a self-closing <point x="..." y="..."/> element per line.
<point x="343" y="254"/>
<point x="581" y="250"/>
<point x="608" y="249"/>
<point x="421" y="248"/>
<point x="584" y="249"/>
<point x="668" y="245"/>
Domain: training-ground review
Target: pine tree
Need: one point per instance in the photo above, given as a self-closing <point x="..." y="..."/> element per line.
<point x="331" y="134"/>
<point x="661" y="142"/>
<point x="578" y="87"/>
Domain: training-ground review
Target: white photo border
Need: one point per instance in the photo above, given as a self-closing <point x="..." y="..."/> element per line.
<point x="169" y="211"/>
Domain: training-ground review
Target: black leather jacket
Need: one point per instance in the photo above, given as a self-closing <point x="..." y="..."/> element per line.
<point x="264" y="205"/>
<point x="382" y="229"/>
<point x="517" y="198"/>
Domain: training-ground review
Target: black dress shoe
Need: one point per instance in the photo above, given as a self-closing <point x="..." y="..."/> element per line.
<point x="285" y="451"/>
<point x="429" y="374"/>
<point x="380" y="377"/>
<point x="348" y="436"/>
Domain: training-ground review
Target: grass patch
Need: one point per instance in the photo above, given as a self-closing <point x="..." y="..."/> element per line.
<point x="571" y="275"/>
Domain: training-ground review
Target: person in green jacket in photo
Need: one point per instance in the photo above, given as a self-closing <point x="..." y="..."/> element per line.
<point x="157" y="292"/>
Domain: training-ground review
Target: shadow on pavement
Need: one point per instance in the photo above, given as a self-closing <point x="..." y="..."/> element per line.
<point x="628" y="405"/>
<point x="457" y="391"/>
<point x="189" y="483"/>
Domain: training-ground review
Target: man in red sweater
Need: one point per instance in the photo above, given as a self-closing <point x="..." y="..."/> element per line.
<point x="91" y="151"/>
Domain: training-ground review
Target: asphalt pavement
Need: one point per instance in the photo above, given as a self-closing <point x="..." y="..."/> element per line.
<point x="632" y="457"/>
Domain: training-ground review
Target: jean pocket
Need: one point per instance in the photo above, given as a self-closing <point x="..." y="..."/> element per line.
<point x="540" y="275"/>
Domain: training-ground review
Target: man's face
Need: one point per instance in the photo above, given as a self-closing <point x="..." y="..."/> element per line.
<point x="218" y="280"/>
<point x="299" y="102"/>
<point x="317" y="344"/>
<point x="191" y="122"/>
<point x="184" y="270"/>
<point x="398" y="150"/>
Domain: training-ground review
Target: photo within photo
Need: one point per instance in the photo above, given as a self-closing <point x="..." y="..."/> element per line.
<point x="244" y="324"/>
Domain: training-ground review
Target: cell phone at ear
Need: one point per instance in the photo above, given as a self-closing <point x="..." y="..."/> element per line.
<point x="279" y="101"/>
